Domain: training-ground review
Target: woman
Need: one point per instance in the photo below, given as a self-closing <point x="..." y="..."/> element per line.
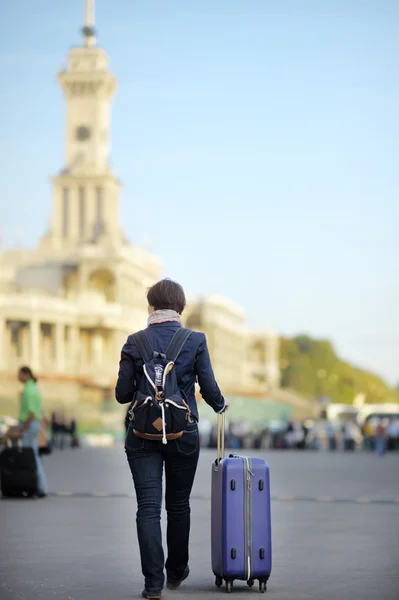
<point x="30" y="422"/>
<point x="166" y="300"/>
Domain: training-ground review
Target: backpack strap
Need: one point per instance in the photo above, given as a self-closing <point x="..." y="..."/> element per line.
<point x="143" y="345"/>
<point x="177" y="342"/>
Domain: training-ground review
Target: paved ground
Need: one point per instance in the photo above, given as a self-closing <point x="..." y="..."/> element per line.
<point x="335" y="531"/>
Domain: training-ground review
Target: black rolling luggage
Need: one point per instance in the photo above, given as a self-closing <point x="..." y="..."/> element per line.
<point x="18" y="473"/>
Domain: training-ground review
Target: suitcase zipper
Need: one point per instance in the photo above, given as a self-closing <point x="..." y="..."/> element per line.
<point x="248" y="515"/>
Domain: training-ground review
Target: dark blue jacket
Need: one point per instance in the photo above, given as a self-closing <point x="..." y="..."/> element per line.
<point x="193" y="363"/>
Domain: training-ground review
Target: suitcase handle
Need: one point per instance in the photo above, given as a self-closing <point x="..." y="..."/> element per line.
<point x="220" y="436"/>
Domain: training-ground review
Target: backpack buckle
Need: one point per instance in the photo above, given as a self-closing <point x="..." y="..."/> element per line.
<point x="159" y="395"/>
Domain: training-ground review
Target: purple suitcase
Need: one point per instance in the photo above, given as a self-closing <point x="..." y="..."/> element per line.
<point x="241" y="521"/>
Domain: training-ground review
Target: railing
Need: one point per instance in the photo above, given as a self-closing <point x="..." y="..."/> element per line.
<point x="35" y="302"/>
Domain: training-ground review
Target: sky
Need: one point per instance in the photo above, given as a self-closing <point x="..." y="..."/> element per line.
<point x="258" y="146"/>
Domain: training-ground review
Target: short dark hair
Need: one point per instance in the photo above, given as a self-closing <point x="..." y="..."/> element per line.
<point x="167" y="294"/>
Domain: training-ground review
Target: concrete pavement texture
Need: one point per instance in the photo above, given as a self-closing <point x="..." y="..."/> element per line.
<point x="335" y="530"/>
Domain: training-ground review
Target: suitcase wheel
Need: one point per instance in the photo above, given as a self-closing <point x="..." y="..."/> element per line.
<point x="262" y="586"/>
<point x="250" y="582"/>
<point x="229" y="586"/>
<point x="218" y="581"/>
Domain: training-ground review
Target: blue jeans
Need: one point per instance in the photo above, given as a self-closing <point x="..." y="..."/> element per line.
<point x="146" y="459"/>
<point x="380" y="445"/>
<point x="29" y="440"/>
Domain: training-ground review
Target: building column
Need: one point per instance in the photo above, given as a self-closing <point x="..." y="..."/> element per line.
<point x="97" y="347"/>
<point x="73" y="213"/>
<point x="119" y="339"/>
<point x="34" y="345"/>
<point x="3" y="344"/>
<point x="90" y="211"/>
<point x="60" y="346"/>
<point x="24" y="341"/>
<point x="73" y="348"/>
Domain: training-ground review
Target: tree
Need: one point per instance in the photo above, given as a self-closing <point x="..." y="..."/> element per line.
<point x="311" y="367"/>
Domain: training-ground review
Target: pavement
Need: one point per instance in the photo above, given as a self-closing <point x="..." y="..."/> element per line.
<point x="335" y="530"/>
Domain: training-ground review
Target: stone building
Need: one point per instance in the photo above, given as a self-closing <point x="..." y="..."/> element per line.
<point x="245" y="361"/>
<point x="67" y="306"/>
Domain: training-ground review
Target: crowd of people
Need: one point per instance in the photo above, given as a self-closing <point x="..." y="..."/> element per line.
<point x="62" y="432"/>
<point x="381" y="434"/>
<point x="378" y="435"/>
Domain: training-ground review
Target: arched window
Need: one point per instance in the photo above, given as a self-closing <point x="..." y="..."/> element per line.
<point x="102" y="281"/>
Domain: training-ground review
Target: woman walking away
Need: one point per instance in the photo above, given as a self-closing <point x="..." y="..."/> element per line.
<point x="157" y="373"/>
<point x="30" y="422"/>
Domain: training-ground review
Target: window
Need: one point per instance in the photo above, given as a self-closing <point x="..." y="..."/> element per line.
<point x="82" y="214"/>
<point x="65" y="211"/>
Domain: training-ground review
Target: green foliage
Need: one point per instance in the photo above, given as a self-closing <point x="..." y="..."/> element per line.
<point x="311" y="367"/>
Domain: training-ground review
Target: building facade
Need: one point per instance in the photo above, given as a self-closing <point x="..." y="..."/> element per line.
<point x="245" y="361"/>
<point x="67" y="306"/>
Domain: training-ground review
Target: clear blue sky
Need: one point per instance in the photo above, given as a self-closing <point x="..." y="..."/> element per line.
<point x="258" y="144"/>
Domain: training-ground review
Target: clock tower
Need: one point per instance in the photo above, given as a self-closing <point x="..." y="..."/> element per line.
<point x="86" y="193"/>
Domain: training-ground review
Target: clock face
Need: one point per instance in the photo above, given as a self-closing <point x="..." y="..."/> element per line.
<point x="82" y="133"/>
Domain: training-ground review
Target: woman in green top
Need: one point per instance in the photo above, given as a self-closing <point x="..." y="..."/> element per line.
<point x="29" y="421"/>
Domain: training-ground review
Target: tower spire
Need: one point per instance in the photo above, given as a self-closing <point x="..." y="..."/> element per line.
<point x="89" y="31"/>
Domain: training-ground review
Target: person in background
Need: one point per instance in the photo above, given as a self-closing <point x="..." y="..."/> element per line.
<point x="54" y="429"/>
<point x="368" y="432"/>
<point x="299" y="436"/>
<point x="393" y="434"/>
<point x="331" y="436"/>
<point x="72" y="427"/>
<point x="30" y="422"/>
<point x="289" y="436"/>
<point x="348" y="437"/>
<point x="205" y="428"/>
<point x="73" y="430"/>
<point x="380" y="438"/>
<point x="42" y="440"/>
<point x="62" y="430"/>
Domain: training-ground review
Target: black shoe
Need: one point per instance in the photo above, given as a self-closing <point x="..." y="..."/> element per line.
<point x="151" y="595"/>
<point x="41" y="495"/>
<point x="173" y="584"/>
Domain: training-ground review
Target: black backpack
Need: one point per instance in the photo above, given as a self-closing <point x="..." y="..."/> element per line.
<point x="160" y="410"/>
